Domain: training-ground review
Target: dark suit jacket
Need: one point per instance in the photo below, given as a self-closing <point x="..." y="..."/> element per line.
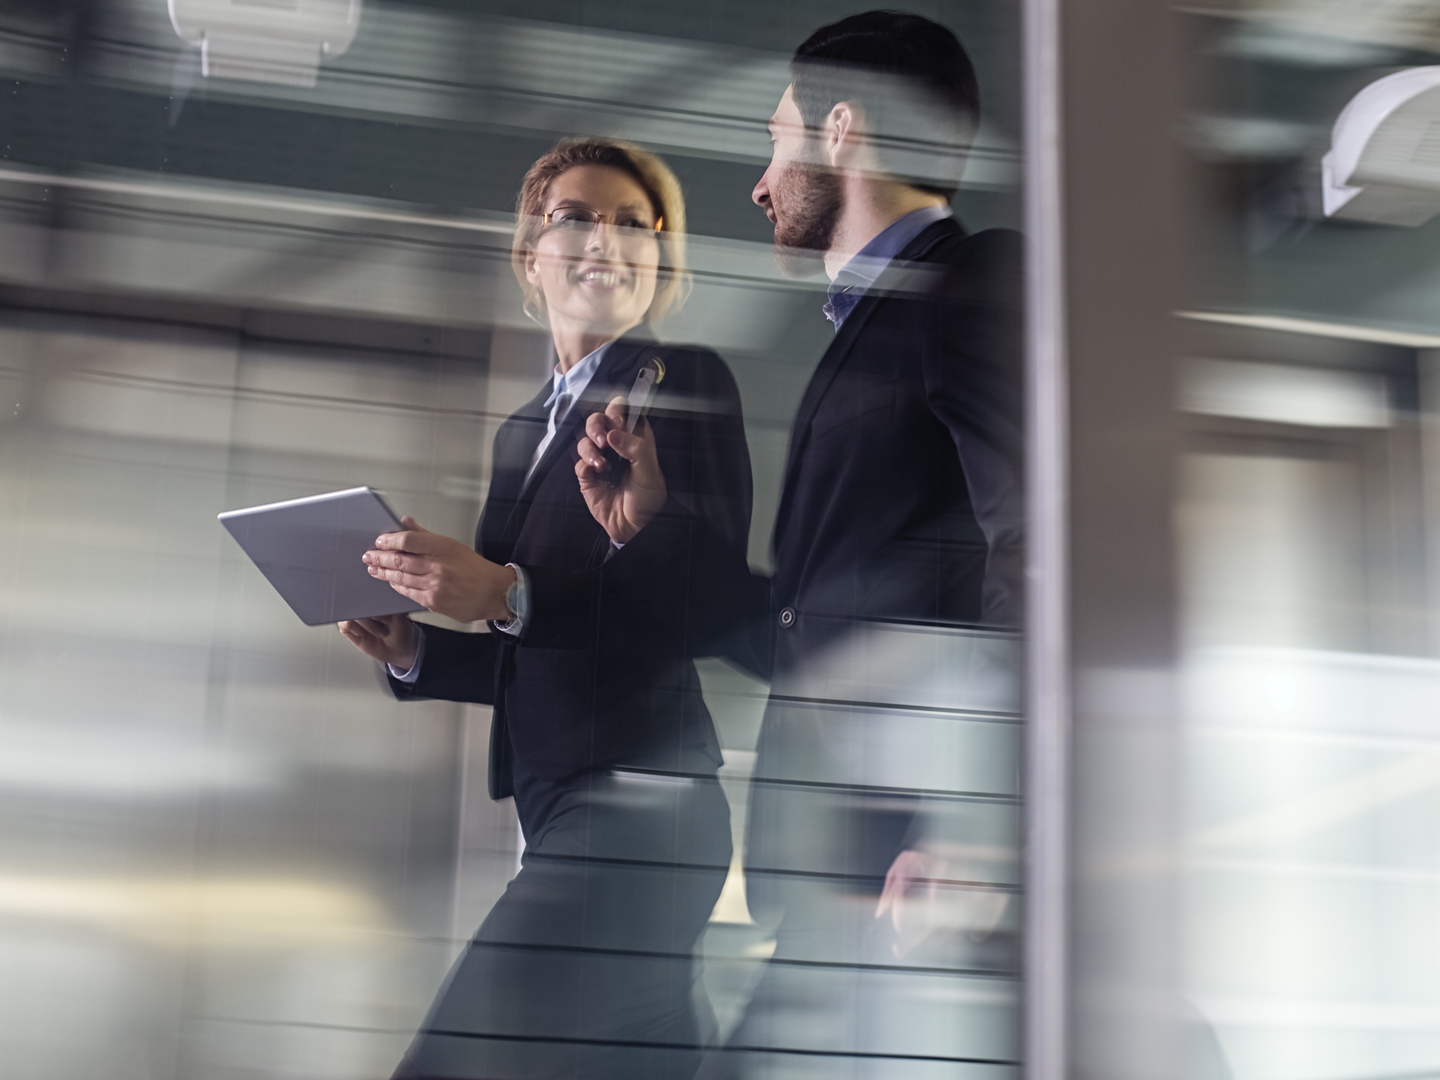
<point x="902" y="497"/>
<point x="590" y="702"/>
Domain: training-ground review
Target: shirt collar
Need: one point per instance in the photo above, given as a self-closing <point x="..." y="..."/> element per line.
<point x="857" y="275"/>
<point x="575" y="381"/>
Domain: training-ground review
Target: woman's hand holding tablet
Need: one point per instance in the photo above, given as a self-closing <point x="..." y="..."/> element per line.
<point x="391" y="639"/>
<point x="444" y="575"/>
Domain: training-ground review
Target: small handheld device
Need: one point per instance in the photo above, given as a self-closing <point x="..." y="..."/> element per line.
<point x="642" y="393"/>
<point x="310" y="549"/>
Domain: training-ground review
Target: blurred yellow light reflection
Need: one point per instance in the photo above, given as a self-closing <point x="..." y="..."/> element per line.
<point x="180" y="913"/>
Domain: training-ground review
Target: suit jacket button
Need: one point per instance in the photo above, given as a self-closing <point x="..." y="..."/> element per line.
<point x="787" y="617"/>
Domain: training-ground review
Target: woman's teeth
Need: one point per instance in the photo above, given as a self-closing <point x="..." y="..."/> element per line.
<point x="607" y="278"/>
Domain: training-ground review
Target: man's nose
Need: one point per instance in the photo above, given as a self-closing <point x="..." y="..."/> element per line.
<point x="761" y="195"/>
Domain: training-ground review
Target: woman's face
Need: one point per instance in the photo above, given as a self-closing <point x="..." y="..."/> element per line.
<point x="598" y="278"/>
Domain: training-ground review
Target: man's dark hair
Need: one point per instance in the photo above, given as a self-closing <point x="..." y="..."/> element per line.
<point x="847" y="60"/>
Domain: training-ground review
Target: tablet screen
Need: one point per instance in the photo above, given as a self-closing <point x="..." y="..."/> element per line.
<point x="310" y="549"/>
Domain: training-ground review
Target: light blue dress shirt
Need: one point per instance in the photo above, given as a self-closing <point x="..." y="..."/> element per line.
<point x="572" y="384"/>
<point x="857" y="275"/>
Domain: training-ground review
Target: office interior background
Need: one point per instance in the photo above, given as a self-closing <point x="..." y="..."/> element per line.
<point x="226" y="853"/>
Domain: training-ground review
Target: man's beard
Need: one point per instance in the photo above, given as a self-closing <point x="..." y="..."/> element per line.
<point x="807" y="202"/>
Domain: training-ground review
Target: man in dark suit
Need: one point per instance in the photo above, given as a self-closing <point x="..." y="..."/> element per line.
<point x="902" y="490"/>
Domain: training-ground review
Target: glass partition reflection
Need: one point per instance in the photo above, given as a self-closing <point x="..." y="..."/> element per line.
<point x="252" y="254"/>
<point x="1307" y="531"/>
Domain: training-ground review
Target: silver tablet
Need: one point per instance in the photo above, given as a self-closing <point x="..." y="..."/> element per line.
<point x="310" y="549"/>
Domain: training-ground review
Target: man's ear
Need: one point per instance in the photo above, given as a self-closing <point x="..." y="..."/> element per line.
<point x="532" y="272"/>
<point x="844" y="134"/>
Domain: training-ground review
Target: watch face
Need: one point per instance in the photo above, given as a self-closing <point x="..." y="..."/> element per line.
<point x="512" y="597"/>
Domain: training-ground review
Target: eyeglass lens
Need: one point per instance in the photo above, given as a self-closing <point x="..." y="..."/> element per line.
<point x="577" y="219"/>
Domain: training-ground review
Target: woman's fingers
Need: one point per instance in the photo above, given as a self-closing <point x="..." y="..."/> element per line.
<point x="423" y="589"/>
<point x="590" y="453"/>
<point x="391" y="639"/>
<point x="397" y="560"/>
<point x="587" y="474"/>
<point x="359" y="630"/>
<point x="381" y="626"/>
<point x="368" y="643"/>
<point x="441" y="574"/>
<point x="638" y="448"/>
<point x="628" y="446"/>
<point x="400" y="579"/>
<point x="396" y="541"/>
<point x="416" y="542"/>
<point x="597" y="427"/>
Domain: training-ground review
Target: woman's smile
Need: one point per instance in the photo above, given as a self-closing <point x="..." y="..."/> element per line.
<point x="602" y="277"/>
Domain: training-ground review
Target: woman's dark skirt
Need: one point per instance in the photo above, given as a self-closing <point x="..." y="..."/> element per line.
<point x="585" y="967"/>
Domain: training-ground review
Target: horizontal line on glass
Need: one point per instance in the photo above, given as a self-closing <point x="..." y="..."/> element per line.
<point x="827" y="875"/>
<point x="985" y="716"/>
<point x="729" y="1049"/>
<point x="836" y="965"/>
<point x="948" y="794"/>
<point x="730" y="958"/>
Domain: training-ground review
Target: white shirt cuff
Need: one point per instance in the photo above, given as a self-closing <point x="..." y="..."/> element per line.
<point x="519" y="601"/>
<point x="414" y="673"/>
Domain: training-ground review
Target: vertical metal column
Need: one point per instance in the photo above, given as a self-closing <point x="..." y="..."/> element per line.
<point x="1047" y="669"/>
<point x="1105" y="213"/>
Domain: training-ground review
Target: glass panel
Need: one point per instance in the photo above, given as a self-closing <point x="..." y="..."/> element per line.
<point x="254" y="251"/>
<point x="1307" y="530"/>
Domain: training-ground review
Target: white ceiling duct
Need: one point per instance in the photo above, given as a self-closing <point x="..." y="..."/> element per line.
<point x="274" y="41"/>
<point x="1384" y="159"/>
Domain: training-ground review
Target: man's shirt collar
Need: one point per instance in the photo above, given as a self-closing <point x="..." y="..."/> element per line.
<point x="858" y="275"/>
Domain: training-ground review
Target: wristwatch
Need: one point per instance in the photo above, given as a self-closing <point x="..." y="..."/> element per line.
<point x="512" y="594"/>
<point x="515" y="600"/>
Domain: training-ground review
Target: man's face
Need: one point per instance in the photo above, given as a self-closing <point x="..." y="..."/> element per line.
<point x="800" y="193"/>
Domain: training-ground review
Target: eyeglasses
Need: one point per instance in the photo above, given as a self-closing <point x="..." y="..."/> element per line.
<point x="576" y="221"/>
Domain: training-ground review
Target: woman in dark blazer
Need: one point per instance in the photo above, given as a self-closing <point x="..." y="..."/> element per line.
<point x="585" y="966"/>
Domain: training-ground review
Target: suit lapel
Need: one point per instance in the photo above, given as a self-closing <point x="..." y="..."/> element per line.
<point x="891" y="280"/>
<point x="515" y="445"/>
<point x="620" y="359"/>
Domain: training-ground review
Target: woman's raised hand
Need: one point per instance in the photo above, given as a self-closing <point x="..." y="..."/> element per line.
<point x="444" y="575"/>
<point x="391" y="639"/>
<point x="625" y="508"/>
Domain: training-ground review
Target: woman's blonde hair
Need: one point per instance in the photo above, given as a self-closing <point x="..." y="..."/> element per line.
<point x="647" y="170"/>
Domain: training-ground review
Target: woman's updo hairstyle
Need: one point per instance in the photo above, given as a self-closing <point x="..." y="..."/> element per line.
<point x="647" y="170"/>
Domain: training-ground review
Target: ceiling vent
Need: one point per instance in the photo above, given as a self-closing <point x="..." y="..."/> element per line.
<point x="1384" y="159"/>
<point x="272" y="41"/>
